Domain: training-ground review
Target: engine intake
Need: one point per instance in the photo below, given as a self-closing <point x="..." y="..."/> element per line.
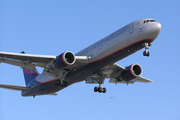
<point x="63" y="60"/>
<point x="131" y="72"/>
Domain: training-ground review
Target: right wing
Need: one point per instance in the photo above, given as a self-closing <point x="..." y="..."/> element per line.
<point x="30" y="61"/>
<point x="26" y="60"/>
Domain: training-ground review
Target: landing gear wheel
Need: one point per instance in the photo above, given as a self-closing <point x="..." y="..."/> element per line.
<point x="99" y="89"/>
<point x="95" y="89"/>
<point x="146" y="53"/>
<point x="104" y="90"/>
<point x="147" y="45"/>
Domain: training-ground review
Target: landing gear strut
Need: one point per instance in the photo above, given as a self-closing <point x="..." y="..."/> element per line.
<point x="147" y="45"/>
<point x="99" y="89"/>
<point x="61" y="81"/>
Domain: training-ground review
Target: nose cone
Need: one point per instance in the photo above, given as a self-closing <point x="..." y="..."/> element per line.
<point x="154" y="30"/>
<point x="158" y="27"/>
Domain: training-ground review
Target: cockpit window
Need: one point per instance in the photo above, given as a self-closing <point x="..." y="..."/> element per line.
<point x="146" y="21"/>
<point x="152" y="20"/>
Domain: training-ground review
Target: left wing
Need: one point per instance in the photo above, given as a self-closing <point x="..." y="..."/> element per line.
<point x="113" y="72"/>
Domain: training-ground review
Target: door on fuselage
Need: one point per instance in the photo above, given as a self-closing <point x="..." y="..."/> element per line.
<point x="99" y="47"/>
<point x="131" y="28"/>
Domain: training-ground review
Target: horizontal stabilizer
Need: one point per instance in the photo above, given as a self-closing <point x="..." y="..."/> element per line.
<point x="53" y="94"/>
<point x="14" y="87"/>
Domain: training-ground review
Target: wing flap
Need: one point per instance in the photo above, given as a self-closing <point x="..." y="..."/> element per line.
<point x="113" y="80"/>
<point x="19" y="63"/>
<point x="142" y="80"/>
<point x="14" y="87"/>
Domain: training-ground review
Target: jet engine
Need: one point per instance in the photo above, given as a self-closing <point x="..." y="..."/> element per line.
<point x="131" y="72"/>
<point x="63" y="60"/>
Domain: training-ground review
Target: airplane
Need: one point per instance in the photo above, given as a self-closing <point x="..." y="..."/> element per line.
<point x="93" y="64"/>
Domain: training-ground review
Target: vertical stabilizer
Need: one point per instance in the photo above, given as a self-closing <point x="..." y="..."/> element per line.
<point x="29" y="74"/>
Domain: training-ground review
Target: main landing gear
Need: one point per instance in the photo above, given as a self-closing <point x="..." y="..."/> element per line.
<point x="100" y="80"/>
<point x="99" y="89"/>
<point x="61" y="81"/>
<point x="147" y="45"/>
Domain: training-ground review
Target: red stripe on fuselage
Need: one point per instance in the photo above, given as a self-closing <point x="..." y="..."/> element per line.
<point x="120" y="50"/>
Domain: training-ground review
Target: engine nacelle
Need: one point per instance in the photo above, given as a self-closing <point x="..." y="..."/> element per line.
<point x="131" y="72"/>
<point x="63" y="60"/>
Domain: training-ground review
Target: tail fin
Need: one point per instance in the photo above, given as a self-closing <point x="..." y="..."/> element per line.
<point x="29" y="74"/>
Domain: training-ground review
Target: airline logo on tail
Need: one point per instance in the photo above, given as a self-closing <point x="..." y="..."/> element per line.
<point x="29" y="74"/>
<point x="28" y="71"/>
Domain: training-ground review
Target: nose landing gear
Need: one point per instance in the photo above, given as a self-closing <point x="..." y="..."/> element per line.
<point x="147" y="46"/>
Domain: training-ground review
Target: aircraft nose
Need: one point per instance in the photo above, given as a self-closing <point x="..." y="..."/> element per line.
<point x="157" y="30"/>
<point x="158" y="27"/>
<point x="154" y="30"/>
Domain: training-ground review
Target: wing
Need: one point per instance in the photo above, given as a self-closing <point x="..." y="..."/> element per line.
<point x="14" y="87"/>
<point x="30" y="61"/>
<point x="113" y="72"/>
<point x="116" y="71"/>
<point x="26" y="60"/>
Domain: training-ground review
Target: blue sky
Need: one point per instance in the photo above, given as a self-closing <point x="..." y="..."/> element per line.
<point x="52" y="27"/>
